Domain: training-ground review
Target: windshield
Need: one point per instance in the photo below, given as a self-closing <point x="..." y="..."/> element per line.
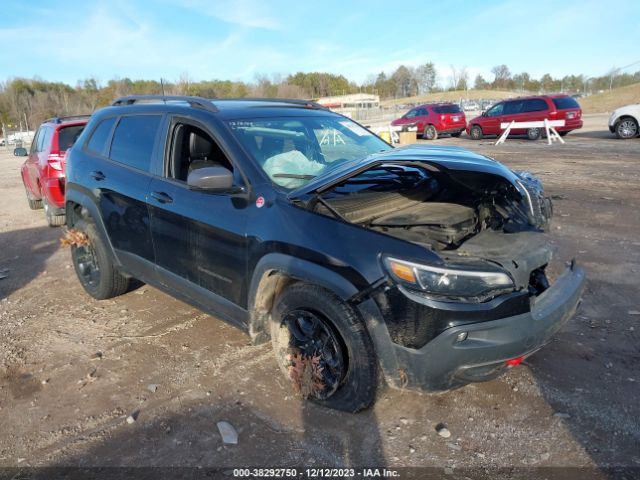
<point x="293" y="150"/>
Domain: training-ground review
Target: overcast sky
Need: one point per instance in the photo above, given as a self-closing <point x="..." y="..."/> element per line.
<point x="237" y="39"/>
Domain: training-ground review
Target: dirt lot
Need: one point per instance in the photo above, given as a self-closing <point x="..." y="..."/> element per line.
<point x="72" y="369"/>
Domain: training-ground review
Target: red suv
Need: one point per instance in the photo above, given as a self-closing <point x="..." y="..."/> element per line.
<point x="434" y="119"/>
<point x="527" y="109"/>
<point x="43" y="171"/>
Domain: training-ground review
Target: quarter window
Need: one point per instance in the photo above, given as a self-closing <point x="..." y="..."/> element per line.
<point x="134" y="139"/>
<point x="535" y="105"/>
<point x="100" y="136"/>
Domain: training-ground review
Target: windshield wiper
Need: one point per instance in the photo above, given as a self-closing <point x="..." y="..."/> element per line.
<point x="293" y="175"/>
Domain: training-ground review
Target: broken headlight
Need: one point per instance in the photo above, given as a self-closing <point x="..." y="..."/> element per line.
<point x="450" y="282"/>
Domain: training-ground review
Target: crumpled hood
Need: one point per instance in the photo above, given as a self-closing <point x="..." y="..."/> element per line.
<point x="440" y="158"/>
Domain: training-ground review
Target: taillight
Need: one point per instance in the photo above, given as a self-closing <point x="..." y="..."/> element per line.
<point x="443" y="117"/>
<point x="55" y="161"/>
<point x="553" y="114"/>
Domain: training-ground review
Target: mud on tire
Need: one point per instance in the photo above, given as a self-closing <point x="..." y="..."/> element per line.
<point x="311" y="322"/>
<point x="95" y="267"/>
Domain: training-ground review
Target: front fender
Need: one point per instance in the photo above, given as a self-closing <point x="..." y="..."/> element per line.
<point x="292" y="268"/>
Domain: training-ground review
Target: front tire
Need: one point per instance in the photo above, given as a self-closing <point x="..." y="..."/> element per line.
<point x="430" y="133"/>
<point x="476" y="132"/>
<point x="95" y="267"/>
<point x="626" y="128"/>
<point x="311" y="322"/>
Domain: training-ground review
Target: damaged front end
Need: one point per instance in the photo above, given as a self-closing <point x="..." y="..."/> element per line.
<point x="485" y="223"/>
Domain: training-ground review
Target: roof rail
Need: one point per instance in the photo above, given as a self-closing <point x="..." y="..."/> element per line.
<point x="197" y="102"/>
<point x="67" y="118"/>
<point x="293" y="101"/>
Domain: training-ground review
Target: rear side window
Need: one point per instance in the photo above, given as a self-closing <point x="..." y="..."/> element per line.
<point x="67" y="136"/>
<point x="133" y="140"/>
<point x="511" y="108"/>
<point x="100" y="136"/>
<point x="535" y="105"/>
<point x="565" y="102"/>
<point x="447" y="109"/>
<point x="44" y="139"/>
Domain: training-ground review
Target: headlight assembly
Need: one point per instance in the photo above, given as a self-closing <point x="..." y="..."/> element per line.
<point x="449" y="282"/>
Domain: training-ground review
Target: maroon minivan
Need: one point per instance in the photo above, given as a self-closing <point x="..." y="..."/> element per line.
<point x="527" y="109"/>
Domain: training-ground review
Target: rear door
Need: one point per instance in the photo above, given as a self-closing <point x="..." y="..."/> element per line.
<point x="120" y="176"/>
<point x="199" y="237"/>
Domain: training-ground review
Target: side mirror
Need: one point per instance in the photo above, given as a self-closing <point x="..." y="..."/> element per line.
<point x="210" y="178"/>
<point x="20" y="152"/>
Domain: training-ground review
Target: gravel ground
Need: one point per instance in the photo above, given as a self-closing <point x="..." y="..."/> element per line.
<point x="73" y="369"/>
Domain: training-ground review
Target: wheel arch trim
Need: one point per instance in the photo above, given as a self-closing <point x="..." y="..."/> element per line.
<point x="75" y="197"/>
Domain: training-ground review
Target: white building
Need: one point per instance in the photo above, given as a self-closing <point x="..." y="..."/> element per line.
<point x="349" y="104"/>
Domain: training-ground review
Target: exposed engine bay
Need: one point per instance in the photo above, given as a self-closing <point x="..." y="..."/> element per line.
<point x="463" y="215"/>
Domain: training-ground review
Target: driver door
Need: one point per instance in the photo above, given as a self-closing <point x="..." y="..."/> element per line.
<point x="198" y="236"/>
<point x="492" y="120"/>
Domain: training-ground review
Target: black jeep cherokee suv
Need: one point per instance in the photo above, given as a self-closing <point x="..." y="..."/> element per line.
<point x="297" y="224"/>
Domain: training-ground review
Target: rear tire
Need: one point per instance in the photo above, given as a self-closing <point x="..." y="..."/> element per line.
<point x="476" y="132"/>
<point x="534" y="133"/>
<point x="34" y="203"/>
<point x="95" y="267"/>
<point x="52" y="219"/>
<point x="314" y="322"/>
<point x="430" y="133"/>
<point x="626" y="128"/>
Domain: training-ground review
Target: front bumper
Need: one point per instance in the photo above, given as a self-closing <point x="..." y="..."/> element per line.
<point x="445" y="363"/>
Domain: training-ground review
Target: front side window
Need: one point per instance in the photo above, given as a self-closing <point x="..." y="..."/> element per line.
<point x="496" y="110"/>
<point x="134" y="139"/>
<point x="192" y="148"/>
<point x="294" y="150"/>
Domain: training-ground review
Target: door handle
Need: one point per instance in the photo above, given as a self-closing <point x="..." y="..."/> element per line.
<point x="161" y="197"/>
<point x="98" y="176"/>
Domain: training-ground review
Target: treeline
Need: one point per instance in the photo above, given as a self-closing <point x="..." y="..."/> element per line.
<point x="26" y="102"/>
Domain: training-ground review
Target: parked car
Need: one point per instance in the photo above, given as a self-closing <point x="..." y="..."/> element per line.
<point x="527" y="109"/>
<point x="300" y="226"/>
<point x="471" y="106"/>
<point x="624" y="121"/>
<point x="42" y="172"/>
<point x="432" y="120"/>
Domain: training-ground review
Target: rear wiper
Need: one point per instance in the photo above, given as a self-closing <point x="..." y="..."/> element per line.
<point x="293" y="175"/>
